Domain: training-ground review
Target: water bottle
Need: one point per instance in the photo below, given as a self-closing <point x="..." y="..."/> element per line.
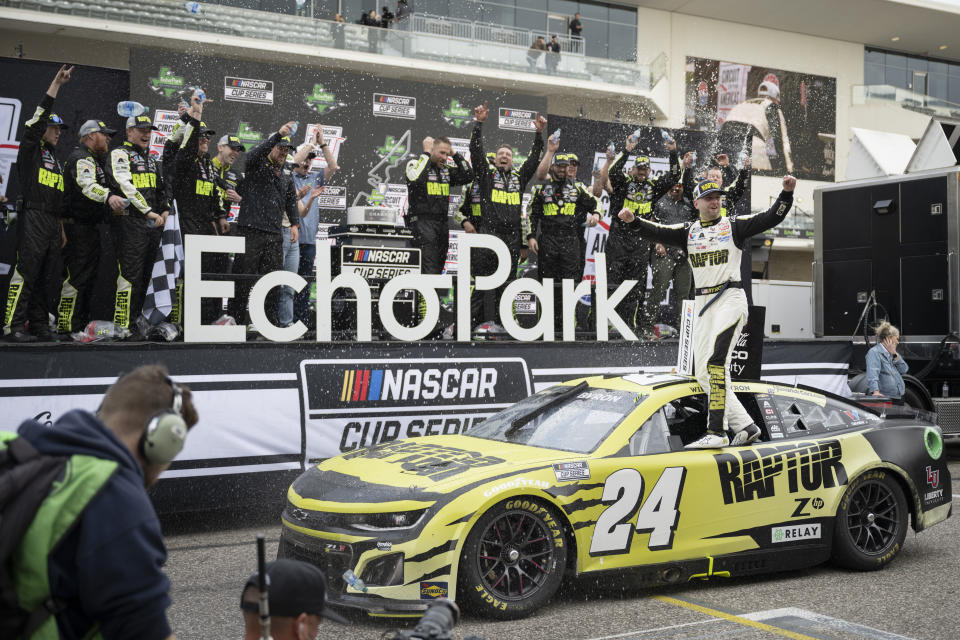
<point x="556" y="137"/>
<point x="611" y="149"/>
<point x="945" y="390"/>
<point x="192" y="7"/>
<point x="694" y="157"/>
<point x="635" y="135"/>
<point x="666" y="136"/>
<point x="293" y="129"/>
<point x="198" y="92"/>
<point x="351" y="579"/>
<point x="130" y="109"/>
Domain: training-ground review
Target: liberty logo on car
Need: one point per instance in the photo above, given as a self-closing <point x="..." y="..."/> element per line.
<point x="361" y="403"/>
<point x="433" y="590"/>
<point x="933" y="477"/>
<point x="750" y="473"/>
<point x="796" y="532"/>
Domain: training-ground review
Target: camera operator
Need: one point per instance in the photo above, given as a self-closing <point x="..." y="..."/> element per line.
<point x="436" y="624"/>
<point x="297" y="598"/>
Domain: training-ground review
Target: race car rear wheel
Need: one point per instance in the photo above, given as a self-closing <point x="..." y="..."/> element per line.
<point x="871" y="522"/>
<point x="513" y="559"/>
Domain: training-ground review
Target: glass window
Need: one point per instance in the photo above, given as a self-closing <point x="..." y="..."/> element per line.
<point x="466" y="10"/>
<point x="896" y="77"/>
<point x="436" y="7"/>
<point x="896" y="60"/>
<point x="563" y="7"/>
<point x="954" y="70"/>
<point x="325" y="9"/>
<point x="953" y="90"/>
<point x="528" y="19"/>
<point x="594" y="11"/>
<point x="623" y="15"/>
<point x="352" y="10"/>
<point x="875" y="57"/>
<point x="623" y="41"/>
<point x="497" y="14"/>
<point x="937" y="85"/>
<point x="916" y="64"/>
<point x="596" y="38"/>
<point x="873" y="74"/>
<point x="653" y="436"/>
<point x="938" y="67"/>
<point x="538" y="5"/>
<point x="570" y="418"/>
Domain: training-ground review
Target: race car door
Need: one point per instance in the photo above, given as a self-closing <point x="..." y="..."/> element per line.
<point x="662" y="503"/>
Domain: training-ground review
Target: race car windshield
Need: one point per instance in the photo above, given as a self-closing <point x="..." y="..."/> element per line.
<point x="575" y="419"/>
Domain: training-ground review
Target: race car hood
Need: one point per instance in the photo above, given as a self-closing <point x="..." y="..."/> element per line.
<point x="417" y="470"/>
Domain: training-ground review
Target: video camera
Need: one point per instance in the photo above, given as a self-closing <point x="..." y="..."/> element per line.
<point x="436" y="624"/>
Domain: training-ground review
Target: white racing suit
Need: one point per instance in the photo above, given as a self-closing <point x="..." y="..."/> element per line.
<point x="713" y="250"/>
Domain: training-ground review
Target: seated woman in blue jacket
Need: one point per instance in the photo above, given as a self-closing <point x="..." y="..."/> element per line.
<point x="885" y="367"/>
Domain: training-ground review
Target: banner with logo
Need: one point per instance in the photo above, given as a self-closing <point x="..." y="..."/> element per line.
<point x="268" y="410"/>
<point x="786" y="120"/>
<point x="374" y="125"/>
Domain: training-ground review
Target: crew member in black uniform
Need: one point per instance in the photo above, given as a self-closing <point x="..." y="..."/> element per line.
<point x="137" y="229"/>
<point x="198" y="198"/>
<point x="429" y="179"/>
<point x="501" y="199"/>
<point x="266" y="194"/>
<point x="39" y="231"/>
<point x="628" y="255"/>
<point x="227" y="177"/>
<point x="559" y="210"/>
<point x="87" y="203"/>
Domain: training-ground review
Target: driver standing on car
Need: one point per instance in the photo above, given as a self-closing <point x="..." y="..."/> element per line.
<point x="714" y="244"/>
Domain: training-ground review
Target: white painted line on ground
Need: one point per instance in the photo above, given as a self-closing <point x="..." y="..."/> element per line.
<point x="673" y="626"/>
<point x="78" y="382"/>
<point x="827" y="621"/>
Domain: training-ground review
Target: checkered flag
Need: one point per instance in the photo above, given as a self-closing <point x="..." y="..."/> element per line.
<point x="167" y="268"/>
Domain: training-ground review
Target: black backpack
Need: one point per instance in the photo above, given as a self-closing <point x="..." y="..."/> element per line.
<point x="26" y="477"/>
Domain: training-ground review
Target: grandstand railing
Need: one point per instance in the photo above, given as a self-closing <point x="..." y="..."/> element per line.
<point x="929" y="105"/>
<point x="423" y="37"/>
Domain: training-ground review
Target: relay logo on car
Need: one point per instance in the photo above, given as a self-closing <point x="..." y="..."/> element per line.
<point x="167" y="83"/>
<point x="349" y="405"/>
<point x="795" y="533"/>
<point x="394" y="106"/>
<point x="248" y="90"/>
<point x="518" y="119"/>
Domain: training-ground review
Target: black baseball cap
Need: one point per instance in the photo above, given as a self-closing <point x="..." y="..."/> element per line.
<point x="294" y="587"/>
<point x="285" y="141"/>
<point x="233" y="142"/>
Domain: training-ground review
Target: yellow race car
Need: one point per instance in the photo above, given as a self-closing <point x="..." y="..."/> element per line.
<point x="592" y="476"/>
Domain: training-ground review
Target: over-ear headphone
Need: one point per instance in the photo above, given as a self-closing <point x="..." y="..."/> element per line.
<point x="166" y="431"/>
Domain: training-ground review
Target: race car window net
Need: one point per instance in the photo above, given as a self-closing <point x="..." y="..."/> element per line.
<point x="576" y="419"/>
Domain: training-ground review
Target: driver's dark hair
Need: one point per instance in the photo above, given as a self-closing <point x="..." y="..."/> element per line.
<point x="444" y="139"/>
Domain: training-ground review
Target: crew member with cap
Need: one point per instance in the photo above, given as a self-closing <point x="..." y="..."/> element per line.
<point x="559" y="210"/>
<point x="199" y="205"/>
<point x="305" y="176"/>
<point x="39" y="231"/>
<point x="136" y="230"/>
<point x="226" y="177"/>
<point x="88" y="202"/>
<point x="296" y="599"/>
<point x="628" y="255"/>
<point x="267" y="193"/>
<point x="713" y="245"/>
<point x="501" y="201"/>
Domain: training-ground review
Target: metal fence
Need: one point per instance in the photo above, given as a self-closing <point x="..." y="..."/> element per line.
<point x="488" y="32"/>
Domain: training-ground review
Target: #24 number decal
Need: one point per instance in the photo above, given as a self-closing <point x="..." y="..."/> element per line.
<point x="658" y="516"/>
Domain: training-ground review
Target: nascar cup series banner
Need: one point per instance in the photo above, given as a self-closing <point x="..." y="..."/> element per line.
<point x="374" y="125"/>
<point x="268" y="410"/>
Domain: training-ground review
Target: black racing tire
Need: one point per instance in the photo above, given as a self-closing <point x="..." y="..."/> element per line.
<point x="871" y="522"/>
<point x="912" y="398"/>
<point x="513" y="560"/>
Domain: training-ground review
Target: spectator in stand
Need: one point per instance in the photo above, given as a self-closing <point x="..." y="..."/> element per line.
<point x="576" y="28"/>
<point x="403" y="10"/>
<point x="534" y="52"/>
<point x="553" y="55"/>
<point x="338" y="30"/>
<point x="370" y="20"/>
<point x="386" y="17"/>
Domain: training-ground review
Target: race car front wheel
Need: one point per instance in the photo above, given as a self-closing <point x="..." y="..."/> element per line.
<point x="871" y="522"/>
<point x="513" y="559"/>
